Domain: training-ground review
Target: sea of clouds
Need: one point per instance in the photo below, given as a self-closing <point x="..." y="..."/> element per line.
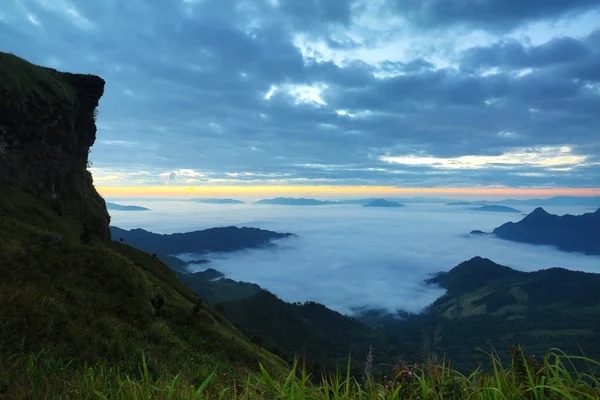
<point x="348" y="256"/>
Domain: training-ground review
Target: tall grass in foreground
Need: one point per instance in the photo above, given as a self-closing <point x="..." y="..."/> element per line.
<point x="553" y="377"/>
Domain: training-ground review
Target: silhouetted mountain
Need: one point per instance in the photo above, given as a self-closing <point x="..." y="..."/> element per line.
<point x="568" y="232"/>
<point x="213" y="288"/>
<point x="384" y="203"/>
<point x="218" y="201"/>
<point x="119" y="207"/>
<point x="206" y="241"/>
<point x="554" y="201"/>
<point x="357" y="201"/>
<point x="494" y="208"/>
<point x="287" y="201"/>
<point x="478" y="232"/>
<point x="459" y="203"/>
<point x="208" y="274"/>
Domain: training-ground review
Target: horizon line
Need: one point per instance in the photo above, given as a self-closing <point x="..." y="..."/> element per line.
<point x="178" y="191"/>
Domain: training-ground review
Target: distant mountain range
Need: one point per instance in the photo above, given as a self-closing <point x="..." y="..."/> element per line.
<point x="461" y="203"/>
<point x="357" y="201"/>
<point x="494" y="208"/>
<point x="579" y="233"/>
<point x="384" y="204"/>
<point x="552" y="201"/>
<point x="205" y="241"/>
<point x="287" y="201"/>
<point x="119" y="207"/>
<point x="555" y="201"/>
<point x="218" y="201"/>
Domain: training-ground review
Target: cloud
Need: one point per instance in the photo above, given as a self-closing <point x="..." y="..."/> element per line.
<point x="543" y="157"/>
<point x="351" y="256"/>
<point x="489" y="14"/>
<point x="268" y="90"/>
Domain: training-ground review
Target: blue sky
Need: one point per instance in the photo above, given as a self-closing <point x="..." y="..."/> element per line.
<point x="433" y="93"/>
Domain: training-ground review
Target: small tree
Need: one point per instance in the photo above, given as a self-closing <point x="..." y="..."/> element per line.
<point x="85" y="235"/>
<point x="257" y="340"/>
<point x="197" y="307"/>
<point x="158" y="303"/>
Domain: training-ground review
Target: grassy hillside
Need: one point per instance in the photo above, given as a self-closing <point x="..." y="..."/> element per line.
<point x="99" y="303"/>
<point x="487" y="303"/>
<point x="325" y="337"/>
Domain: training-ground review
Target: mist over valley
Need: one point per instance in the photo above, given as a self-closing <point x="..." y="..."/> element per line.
<point x="348" y="257"/>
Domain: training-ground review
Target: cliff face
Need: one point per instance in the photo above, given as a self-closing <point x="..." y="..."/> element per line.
<point x="47" y="127"/>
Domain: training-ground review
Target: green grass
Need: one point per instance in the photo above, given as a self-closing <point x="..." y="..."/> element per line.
<point x="553" y="377"/>
<point x="92" y="303"/>
<point x="22" y="81"/>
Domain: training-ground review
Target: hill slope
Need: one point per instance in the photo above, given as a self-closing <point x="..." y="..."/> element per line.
<point x="542" y="309"/>
<point x="66" y="289"/>
<point x="324" y="336"/>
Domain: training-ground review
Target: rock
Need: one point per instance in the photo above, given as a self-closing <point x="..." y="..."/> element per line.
<point x="46" y="130"/>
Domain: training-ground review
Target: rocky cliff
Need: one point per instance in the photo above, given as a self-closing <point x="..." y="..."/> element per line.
<point x="47" y="126"/>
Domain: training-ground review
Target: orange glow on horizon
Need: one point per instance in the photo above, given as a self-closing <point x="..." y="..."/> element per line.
<point x="186" y="191"/>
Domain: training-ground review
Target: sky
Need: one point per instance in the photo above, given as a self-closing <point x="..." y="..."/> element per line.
<point x="349" y="257"/>
<point x="433" y="94"/>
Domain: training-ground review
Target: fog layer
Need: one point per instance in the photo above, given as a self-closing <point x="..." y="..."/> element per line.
<point x="351" y="256"/>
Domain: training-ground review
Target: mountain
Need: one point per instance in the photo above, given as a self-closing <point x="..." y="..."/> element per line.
<point x="487" y="304"/>
<point x="383" y="203"/>
<point x="213" y="288"/>
<point x="286" y="201"/>
<point x="420" y="200"/>
<point x="494" y="208"/>
<point x="119" y="207"/>
<point x="67" y="291"/>
<point x="554" y="201"/>
<point x="357" y="201"/>
<point x="205" y="241"/>
<point x="579" y="233"/>
<point x="459" y="203"/>
<point x="481" y="287"/>
<point x="218" y="201"/>
<point x="325" y="336"/>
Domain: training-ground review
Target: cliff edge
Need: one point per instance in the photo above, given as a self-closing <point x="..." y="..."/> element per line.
<point x="47" y="126"/>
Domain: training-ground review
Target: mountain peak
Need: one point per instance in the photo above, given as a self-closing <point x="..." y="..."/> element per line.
<point x="539" y="211"/>
<point x="567" y="232"/>
<point x="472" y="274"/>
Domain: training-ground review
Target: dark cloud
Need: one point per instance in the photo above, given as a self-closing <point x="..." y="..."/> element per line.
<point x="488" y="14"/>
<point x="558" y="61"/>
<point x="514" y="54"/>
<point x="311" y="15"/>
<point x="188" y="83"/>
